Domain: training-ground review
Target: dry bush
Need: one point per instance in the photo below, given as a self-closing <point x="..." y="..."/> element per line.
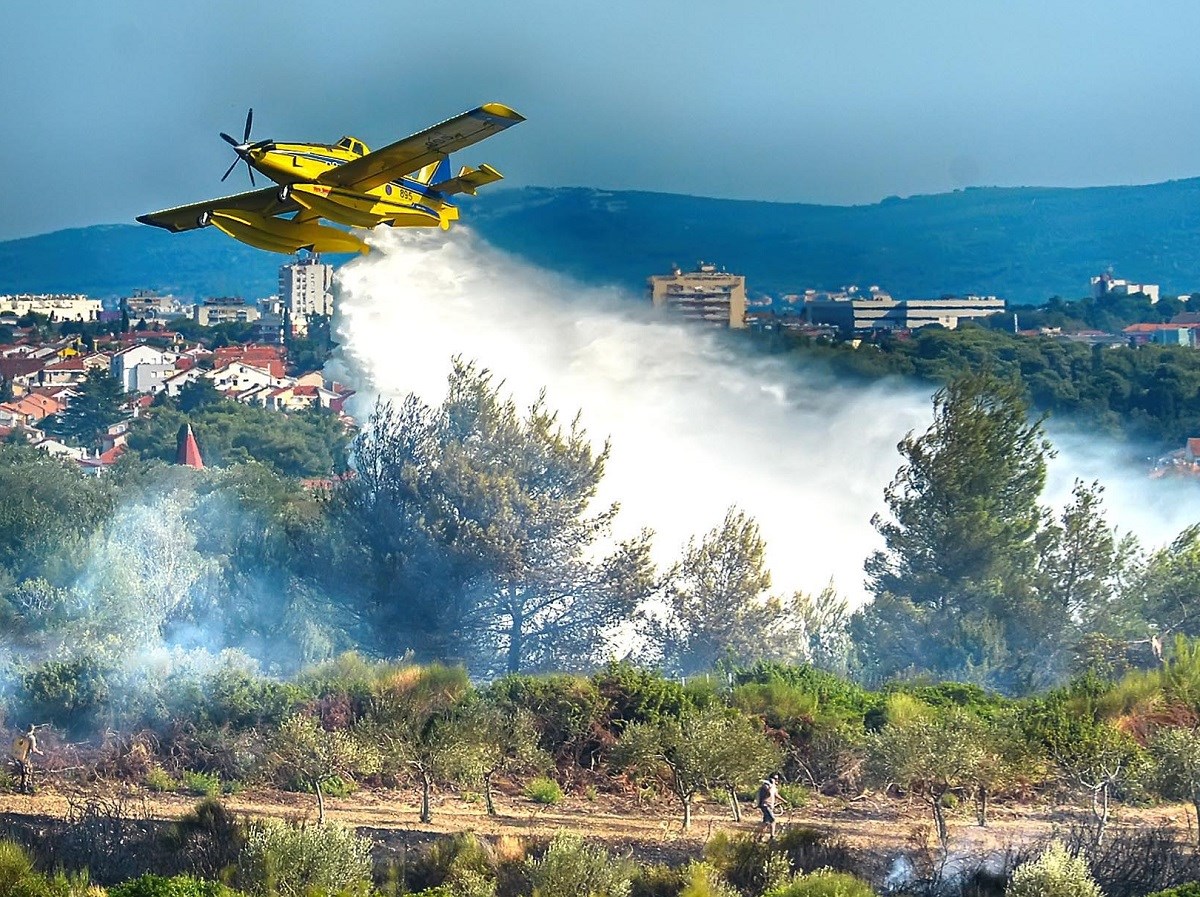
<point x="1133" y="861"/>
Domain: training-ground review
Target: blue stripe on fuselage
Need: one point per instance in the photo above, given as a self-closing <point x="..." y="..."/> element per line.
<point x="414" y="186"/>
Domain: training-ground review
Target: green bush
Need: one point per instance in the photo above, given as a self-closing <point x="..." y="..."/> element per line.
<point x="158" y="779"/>
<point x="702" y="880"/>
<point x="747" y="863"/>
<point x="543" y="791"/>
<point x="70" y="694"/>
<point x="570" y="868"/>
<point x="176" y="886"/>
<point x="567" y="710"/>
<point x="1190" y="889"/>
<point x="823" y="883"/>
<point x="284" y="860"/>
<point x="793" y="795"/>
<point x="16" y="867"/>
<point x="635" y="695"/>
<point x="658" y="880"/>
<point x="460" y="864"/>
<point x="835" y="696"/>
<point x="199" y="783"/>
<point x="1053" y="874"/>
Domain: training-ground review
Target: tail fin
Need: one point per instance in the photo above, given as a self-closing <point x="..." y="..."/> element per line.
<point x="434" y="172"/>
<point x="468" y="181"/>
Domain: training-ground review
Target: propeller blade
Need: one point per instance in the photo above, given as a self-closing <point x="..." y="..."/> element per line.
<point x="260" y="144"/>
<point x="249" y="121"/>
<point x="231" y="168"/>
<point x="228" y="139"/>
<point x="250" y="170"/>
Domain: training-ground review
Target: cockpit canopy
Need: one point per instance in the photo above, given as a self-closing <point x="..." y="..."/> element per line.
<point x="353" y="145"/>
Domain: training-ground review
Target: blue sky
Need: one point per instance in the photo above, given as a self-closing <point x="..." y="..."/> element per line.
<point x="113" y="109"/>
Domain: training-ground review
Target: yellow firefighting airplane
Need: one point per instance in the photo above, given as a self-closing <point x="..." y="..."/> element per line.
<point x="405" y="184"/>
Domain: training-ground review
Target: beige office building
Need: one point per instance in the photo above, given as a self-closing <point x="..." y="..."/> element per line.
<point x="306" y="288"/>
<point x="706" y="294"/>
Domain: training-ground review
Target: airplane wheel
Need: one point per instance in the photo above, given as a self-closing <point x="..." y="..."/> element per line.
<point x="204" y="218"/>
<point x="284" y="193"/>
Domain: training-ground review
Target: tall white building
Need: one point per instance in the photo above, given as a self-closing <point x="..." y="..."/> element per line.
<point x="306" y="288"/>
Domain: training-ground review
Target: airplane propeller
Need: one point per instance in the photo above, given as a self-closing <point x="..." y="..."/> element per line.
<point x="243" y="148"/>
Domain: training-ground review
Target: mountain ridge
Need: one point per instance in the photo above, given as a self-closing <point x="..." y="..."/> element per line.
<point x="1024" y="244"/>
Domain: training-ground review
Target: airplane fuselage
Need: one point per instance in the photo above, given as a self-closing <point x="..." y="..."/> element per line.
<point x="297" y="168"/>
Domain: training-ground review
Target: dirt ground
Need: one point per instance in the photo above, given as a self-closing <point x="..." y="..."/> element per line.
<point x="881" y="827"/>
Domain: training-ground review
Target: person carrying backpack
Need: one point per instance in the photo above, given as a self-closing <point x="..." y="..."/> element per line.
<point x="768" y="793"/>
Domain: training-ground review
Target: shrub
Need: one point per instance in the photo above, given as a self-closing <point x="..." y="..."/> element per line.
<point x="70" y="694"/>
<point x="209" y="838"/>
<point x="158" y="779"/>
<point x="177" y="886"/>
<point x="793" y="795"/>
<point x="16" y="867"/>
<point x="460" y="863"/>
<point x="824" y="883"/>
<point x="293" y="861"/>
<point x="1053" y="874"/>
<point x="570" y="868"/>
<point x="543" y="791"/>
<point x="1191" y="889"/>
<point x="808" y="849"/>
<point x="568" y="712"/>
<point x="635" y="695"/>
<point x="200" y="784"/>
<point x="750" y="865"/>
<point x="658" y="880"/>
<point x="702" y="880"/>
<point x="18" y="878"/>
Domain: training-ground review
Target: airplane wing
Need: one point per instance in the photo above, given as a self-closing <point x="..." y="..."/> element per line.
<point x="415" y="152"/>
<point x="181" y="218"/>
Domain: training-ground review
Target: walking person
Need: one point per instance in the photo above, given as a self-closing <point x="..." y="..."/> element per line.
<point x="768" y="793"/>
<point x="24" y="746"/>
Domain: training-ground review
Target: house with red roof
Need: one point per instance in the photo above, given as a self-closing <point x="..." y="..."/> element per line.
<point x="64" y="372"/>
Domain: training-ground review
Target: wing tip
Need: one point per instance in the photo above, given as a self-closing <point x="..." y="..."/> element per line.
<point x="499" y="110"/>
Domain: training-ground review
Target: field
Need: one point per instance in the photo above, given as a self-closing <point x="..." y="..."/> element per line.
<point x="877" y="827"/>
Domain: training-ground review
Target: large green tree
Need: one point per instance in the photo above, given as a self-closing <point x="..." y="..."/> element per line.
<point x="953" y="579"/>
<point x="718" y="602"/>
<point x="96" y="407"/>
<point x="475" y="525"/>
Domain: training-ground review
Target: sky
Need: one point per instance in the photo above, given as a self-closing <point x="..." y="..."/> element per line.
<point x="113" y="109"/>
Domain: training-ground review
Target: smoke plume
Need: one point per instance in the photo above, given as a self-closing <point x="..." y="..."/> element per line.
<point x="696" y="422"/>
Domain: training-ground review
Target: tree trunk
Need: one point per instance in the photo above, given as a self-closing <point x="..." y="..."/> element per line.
<point x="981" y="805"/>
<point x="320" y="802"/>
<point x="426" y="785"/>
<point x="487" y="795"/>
<point x="515" y="642"/>
<point x="1100" y="810"/>
<point x="737" y="807"/>
<point x="687" y="811"/>
<point x="939" y="819"/>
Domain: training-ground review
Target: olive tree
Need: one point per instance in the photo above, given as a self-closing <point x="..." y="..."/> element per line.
<point x="415" y="716"/>
<point x="303" y="751"/>
<point x="930" y="754"/>
<point x="712" y="747"/>
<point x="1176" y="754"/>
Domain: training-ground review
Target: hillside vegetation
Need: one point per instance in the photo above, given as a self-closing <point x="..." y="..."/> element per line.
<point x="1023" y="244"/>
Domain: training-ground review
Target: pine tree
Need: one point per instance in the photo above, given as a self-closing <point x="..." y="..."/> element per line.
<point x="92" y="411"/>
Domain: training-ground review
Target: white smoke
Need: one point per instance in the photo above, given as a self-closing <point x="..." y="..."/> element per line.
<point x="696" y="423"/>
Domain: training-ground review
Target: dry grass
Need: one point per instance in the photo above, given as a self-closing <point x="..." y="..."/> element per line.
<point x="873" y="823"/>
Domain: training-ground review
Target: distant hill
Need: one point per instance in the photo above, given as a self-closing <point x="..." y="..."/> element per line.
<point x="1024" y="244"/>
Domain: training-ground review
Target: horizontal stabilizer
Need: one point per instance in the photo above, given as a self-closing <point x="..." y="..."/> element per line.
<point x="469" y="180"/>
